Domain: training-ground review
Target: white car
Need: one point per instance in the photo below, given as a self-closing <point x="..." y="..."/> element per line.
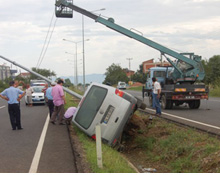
<point x="37" y="95"/>
<point x="107" y="106"/>
<point x="121" y="85"/>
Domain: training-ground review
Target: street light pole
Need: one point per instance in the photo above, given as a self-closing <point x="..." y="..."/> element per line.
<point x="76" y="67"/>
<point x="84" y="76"/>
<point x="83" y="45"/>
<point x="129" y="59"/>
<point x="76" y="78"/>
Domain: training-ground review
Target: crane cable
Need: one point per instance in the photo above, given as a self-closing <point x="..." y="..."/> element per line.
<point x="43" y="51"/>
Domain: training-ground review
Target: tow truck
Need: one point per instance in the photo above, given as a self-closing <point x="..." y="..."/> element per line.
<point x="179" y="85"/>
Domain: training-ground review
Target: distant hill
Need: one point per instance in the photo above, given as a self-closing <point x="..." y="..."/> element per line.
<point x="98" y="78"/>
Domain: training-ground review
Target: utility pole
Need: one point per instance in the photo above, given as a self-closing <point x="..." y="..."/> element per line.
<point x="129" y="59"/>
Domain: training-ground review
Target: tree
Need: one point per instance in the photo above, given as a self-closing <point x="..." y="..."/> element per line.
<point x="212" y="70"/>
<point x="139" y="76"/>
<point x="45" y="72"/>
<point x="114" y="74"/>
<point x="3" y="85"/>
<point x="67" y="83"/>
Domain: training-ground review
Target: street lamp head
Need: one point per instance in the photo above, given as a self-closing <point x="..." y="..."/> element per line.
<point x="98" y="10"/>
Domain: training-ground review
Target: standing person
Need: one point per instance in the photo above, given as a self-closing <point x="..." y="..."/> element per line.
<point x="11" y="94"/>
<point x="153" y="99"/>
<point x="44" y="91"/>
<point x="156" y="95"/>
<point x="50" y="98"/>
<point x="59" y="101"/>
<point x="29" y="92"/>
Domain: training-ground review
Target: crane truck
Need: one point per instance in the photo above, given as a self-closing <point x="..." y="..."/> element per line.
<point x="178" y="83"/>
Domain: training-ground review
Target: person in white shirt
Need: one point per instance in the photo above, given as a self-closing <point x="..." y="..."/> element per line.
<point x="156" y="95"/>
<point x="29" y="92"/>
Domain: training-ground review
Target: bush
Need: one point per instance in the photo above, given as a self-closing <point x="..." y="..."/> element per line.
<point x="215" y="92"/>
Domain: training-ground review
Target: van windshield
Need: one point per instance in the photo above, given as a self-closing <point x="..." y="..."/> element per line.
<point x="90" y="106"/>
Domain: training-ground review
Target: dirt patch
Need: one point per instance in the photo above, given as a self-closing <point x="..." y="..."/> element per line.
<point x="211" y="163"/>
<point x="136" y="84"/>
<point x="135" y="148"/>
<point x="133" y="151"/>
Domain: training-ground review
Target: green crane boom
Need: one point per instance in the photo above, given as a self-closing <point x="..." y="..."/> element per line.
<point x="195" y="69"/>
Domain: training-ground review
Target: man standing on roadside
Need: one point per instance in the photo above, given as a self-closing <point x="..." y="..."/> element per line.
<point x="29" y="91"/>
<point x="44" y="91"/>
<point x="11" y="94"/>
<point x="59" y="101"/>
<point x="50" y="98"/>
<point x="156" y="95"/>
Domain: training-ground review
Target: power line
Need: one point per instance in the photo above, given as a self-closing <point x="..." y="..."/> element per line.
<point x="48" y="43"/>
<point x="43" y="51"/>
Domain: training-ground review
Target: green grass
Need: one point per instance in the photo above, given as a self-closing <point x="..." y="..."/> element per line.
<point x="113" y="162"/>
<point x="139" y="88"/>
<point x="179" y="149"/>
<point x="70" y="100"/>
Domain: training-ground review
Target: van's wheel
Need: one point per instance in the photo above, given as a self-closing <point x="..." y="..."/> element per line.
<point x="166" y="104"/>
<point x="118" y="145"/>
<point x="140" y="104"/>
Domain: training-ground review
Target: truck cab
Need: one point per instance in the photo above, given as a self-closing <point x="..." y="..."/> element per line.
<point x="160" y="73"/>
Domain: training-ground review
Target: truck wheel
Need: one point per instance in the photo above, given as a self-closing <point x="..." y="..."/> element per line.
<point x="191" y="104"/>
<point x="166" y="104"/>
<point x="195" y="104"/>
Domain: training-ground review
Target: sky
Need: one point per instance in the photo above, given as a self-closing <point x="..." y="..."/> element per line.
<point x="181" y="25"/>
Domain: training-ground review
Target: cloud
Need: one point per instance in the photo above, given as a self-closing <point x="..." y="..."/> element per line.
<point x="189" y="25"/>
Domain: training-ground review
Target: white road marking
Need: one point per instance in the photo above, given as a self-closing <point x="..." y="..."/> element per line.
<point x="2" y="107"/>
<point x="193" y="121"/>
<point x="37" y="155"/>
<point x="214" y="100"/>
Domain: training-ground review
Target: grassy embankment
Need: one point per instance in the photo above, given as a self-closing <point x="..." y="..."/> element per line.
<point x="172" y="148"/>
<point x="179" y="149"/>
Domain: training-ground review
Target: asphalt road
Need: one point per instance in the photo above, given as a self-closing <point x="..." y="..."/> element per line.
<point x="207" y="117"/>
<point x="18" y="148"/>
